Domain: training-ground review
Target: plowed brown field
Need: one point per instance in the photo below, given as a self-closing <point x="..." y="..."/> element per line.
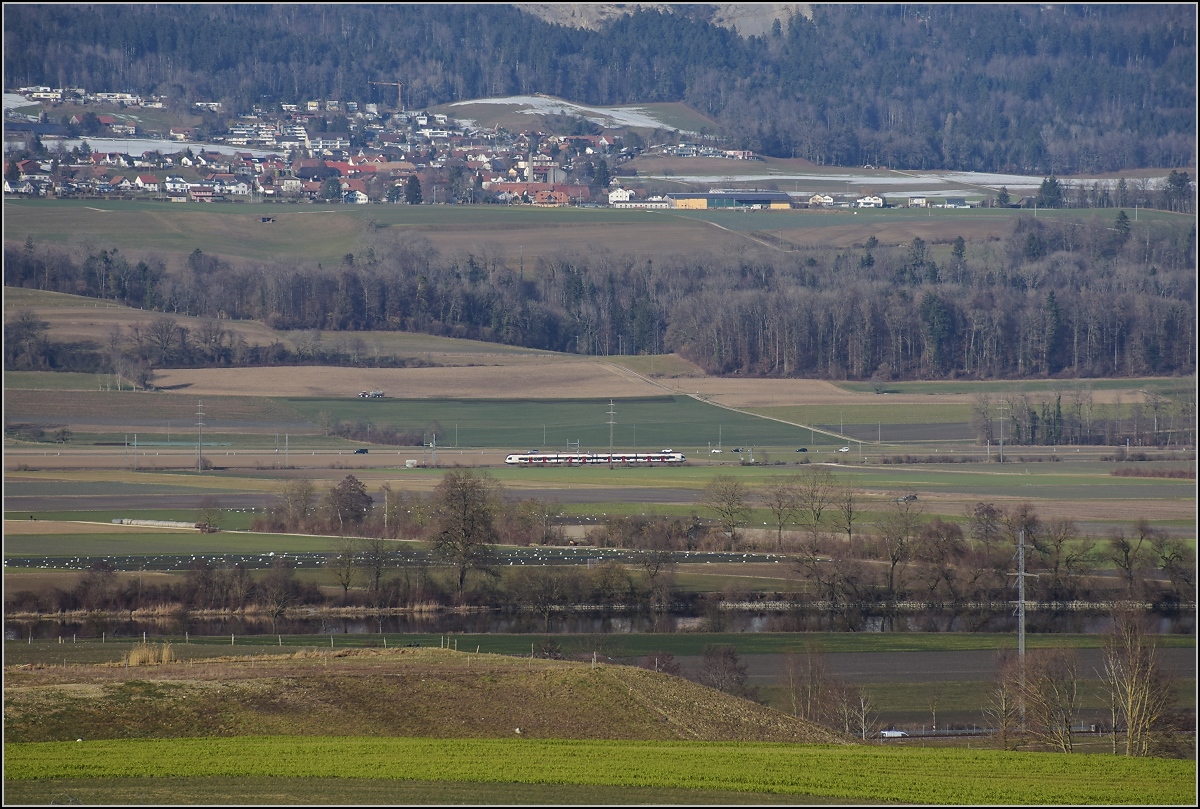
<point x="534" y="377"/>
<point x="518" y="378"/>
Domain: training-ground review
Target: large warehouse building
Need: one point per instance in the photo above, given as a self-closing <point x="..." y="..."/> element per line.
<point x="748" y="200"/>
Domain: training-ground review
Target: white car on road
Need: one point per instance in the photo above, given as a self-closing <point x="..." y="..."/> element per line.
<point x="844" y="449"/>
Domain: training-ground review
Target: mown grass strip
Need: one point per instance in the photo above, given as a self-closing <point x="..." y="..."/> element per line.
<point x="869" y="773"/>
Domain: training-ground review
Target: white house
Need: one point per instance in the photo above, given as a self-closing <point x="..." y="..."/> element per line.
<point x="819" y="200"/>
<point x="869" y="202"/>
<point x="917" y="202"/>
<point x="619" y="195"/>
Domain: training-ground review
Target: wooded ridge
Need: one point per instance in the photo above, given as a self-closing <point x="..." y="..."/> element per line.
<point x="1056" y="297"/>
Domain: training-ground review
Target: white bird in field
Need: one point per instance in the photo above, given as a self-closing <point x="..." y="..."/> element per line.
<point x="518" y="731"/>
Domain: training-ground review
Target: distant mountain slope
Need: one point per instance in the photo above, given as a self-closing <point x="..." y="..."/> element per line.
<point x="750" y="19"/>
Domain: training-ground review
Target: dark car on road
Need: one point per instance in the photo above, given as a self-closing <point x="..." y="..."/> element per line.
<point x="361" y="451"/>
<point x="802" y="449"/>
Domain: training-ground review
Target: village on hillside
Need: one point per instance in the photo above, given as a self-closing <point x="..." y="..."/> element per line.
<point x="331" y="151"/>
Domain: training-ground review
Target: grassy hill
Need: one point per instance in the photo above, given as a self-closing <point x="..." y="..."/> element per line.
<point x="431" y="693"/>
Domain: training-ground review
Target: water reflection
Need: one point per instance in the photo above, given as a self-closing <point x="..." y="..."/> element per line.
<point x="588" y="623"/>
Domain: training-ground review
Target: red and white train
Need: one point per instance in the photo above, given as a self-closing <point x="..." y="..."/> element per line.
<point x="588" y="458"/>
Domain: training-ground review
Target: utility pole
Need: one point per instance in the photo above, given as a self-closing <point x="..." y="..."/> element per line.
<point x="1002" y="403"/>
<point x="199" y="435"/>
<point x="612" y="414"/>
<point x="1021" y="576"/>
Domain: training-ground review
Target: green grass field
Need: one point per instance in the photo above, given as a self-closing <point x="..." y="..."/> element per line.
<point x="632" y="645"/>
<point x="804" y="220"/>
<point x="862" y="773"/>
<point x="668" y="421"/>
<point x="235" y="229"/>
<point x="1162" y="385"/>
<point x="173" y="543"/>
<point x="312" y="232"/>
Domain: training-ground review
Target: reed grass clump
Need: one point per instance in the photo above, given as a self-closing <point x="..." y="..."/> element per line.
<point x="150" y="654"/>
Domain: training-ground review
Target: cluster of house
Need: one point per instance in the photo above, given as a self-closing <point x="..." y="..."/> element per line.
<point x="294" y="157"/>
<point x="102" y="173"/>
<point x="80" y="95"/>
<point x="701" y="150"/>
<point x="741" y="199"/>
<point x="373" y="162"/>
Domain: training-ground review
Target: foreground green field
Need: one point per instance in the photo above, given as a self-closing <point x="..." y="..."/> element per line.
<point x="866" y="774"/>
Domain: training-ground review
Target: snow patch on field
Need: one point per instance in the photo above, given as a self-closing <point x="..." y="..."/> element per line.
<point x="924" y="183"/>
<point x="13" y="101"/>
<point x="604" y="116"/>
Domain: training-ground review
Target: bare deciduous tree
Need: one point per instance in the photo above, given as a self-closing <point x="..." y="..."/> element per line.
<point x="1140" y="692"/>
<point x="1065" y="556"/>
<point x="1130" y="554"/>
<point x="546" y="590"/>
<point x="210" y="511"/>
<point x="898" y="529"/>
<point x="163" y="334"/>
<point x="657" y="558"/>
<point x="1004" y="698"/>
<point x="464" y="507"/>
<point x="728" y="498"/>
<point x="298" y="498"/>
<point x="1050" y="693"/>
<point x="806" y="677"/>
<point x="781" y="496"/>
<point x="344" y="563"/>
<point x="853" y="709"/>
<point x="848" y="501"/>
<point x="722" y="669"/>
<point x="940" y="547"/>
<point x="1177" y="559"/>
<point x="817" y="490"/>
<point x="278" y="590"/>
<point x="986" y="523"/>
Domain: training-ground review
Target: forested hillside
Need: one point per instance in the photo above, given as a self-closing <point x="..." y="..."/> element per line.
<point x="1024" y="88"/>
<point x="1095" y="297"/>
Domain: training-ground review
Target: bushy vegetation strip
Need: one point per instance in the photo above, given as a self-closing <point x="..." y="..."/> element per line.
<point x="877" y="774"/>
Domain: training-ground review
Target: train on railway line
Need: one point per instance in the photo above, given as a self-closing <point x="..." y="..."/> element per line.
<point x="592" y="458"/>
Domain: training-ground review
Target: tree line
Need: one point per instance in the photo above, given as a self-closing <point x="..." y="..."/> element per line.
<point x="846" y="567"/>
<point x="841" y="567"/>
<point x="1034" y="701"/>
<point x="1053" y="298"/>
<point x="1062" y="89"/>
